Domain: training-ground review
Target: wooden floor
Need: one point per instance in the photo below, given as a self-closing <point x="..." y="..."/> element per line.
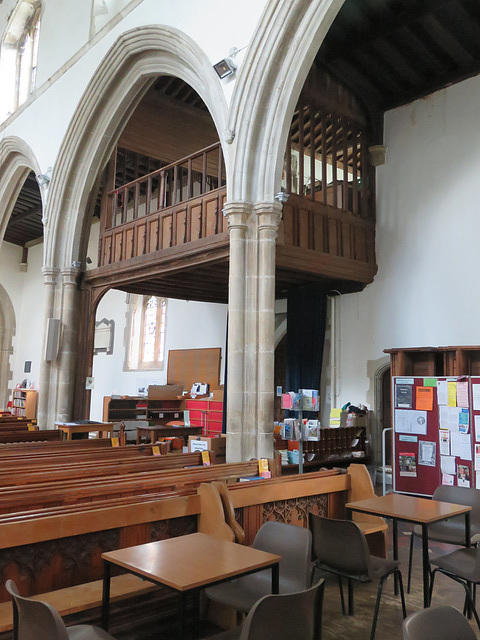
<point x="357" y="627"/>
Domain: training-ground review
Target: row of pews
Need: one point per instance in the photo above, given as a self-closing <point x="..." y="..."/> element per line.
<point x="62" y="504"/>
<point x="15" y="429"/>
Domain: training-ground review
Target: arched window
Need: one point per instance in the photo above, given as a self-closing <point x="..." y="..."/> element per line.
<point x="18" y="56"/>
<point x="146" y="322"/>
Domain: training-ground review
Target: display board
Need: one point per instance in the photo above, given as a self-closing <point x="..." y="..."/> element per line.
<point x="434" y="422"/>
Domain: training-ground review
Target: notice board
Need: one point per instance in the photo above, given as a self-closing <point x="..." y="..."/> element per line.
<point x="186" y="366"/>
<point x="435" y="438"/>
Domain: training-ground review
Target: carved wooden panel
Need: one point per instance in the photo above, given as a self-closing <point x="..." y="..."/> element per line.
<point x="210" y="213"/>
<point x="117" y="246"/>
<point x="128" y="247"/>
<point x="295" y="511"/>
<point x="196" y="222"/>
<point x="140" y="241"/>
<point x="153" y="232"/>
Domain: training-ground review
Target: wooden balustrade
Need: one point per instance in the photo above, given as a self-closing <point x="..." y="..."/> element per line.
<point x="172" y="206"/>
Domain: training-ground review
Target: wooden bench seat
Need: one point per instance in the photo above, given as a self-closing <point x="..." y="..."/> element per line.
<point x="82" y="597"/>
<point x="45" y="494"/>
<point x="30" y="436"/>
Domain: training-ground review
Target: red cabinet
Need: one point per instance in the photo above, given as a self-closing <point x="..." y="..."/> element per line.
<point x="207" y="414"/>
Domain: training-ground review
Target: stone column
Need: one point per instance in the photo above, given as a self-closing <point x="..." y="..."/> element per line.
<point x="237" y="214"/>
<point x="50" y="279"/>
<point x="268" y="217"/>
<point x="68" y="346"/>
<point x="250" y="379"/>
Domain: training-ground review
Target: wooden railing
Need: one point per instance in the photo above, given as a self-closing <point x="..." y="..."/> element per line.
<point x="171" y="206"/>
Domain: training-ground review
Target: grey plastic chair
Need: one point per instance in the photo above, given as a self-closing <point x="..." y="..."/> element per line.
<point x="282" y="617"/>
<point x="340" y="547"/>
<point x="33" y="619"/>
<point x="450" y="531"/>
<point x="293" y="544"/>
<point x="463" y="566"/>
<point x="437" y="623"/>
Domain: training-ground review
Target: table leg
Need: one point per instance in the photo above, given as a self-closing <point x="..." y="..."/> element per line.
<point x="106" y="595"/>
<point x="395" y="552"/>
<point x="468" y="536"/>
<point x="275" y="578"/>
<point x="182" y="624"/>
<point x="426" y="567"/>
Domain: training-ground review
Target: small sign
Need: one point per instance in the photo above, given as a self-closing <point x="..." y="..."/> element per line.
<point x="30" y="427"/>
<point x="205" y="458"/>
<point x="408" y="438"/>
<point x="156" y="450"/>
<point x="115" y="442"/>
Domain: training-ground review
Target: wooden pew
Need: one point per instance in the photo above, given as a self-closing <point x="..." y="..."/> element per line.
<point x="30" y="436"/>
<point x="71" y="538"/>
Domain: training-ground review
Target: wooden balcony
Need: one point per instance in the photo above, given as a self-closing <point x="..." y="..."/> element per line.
<point x="177" y="205"/>
<point x="322" y="242"/>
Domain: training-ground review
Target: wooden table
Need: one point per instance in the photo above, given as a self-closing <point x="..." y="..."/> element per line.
<point x="187" y="563"/>
<point x="105" y="429"/>
<point x="422" y="511"/>
<point x="161" y="431"/>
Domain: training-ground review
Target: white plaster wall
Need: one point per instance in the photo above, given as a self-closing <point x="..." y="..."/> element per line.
<point x="26" y="291"/>
<point x="67" y="59"/>
<point x="428" y="228"/>
<point x="189" y="325"/>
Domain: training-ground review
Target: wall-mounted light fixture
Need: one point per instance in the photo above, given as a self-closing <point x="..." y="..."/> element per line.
<point x="227" y="66"/>
<point x="44" y="178"/>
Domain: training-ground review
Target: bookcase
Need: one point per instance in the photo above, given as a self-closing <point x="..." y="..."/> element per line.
<point x="25" y="403"/>
<point x="131" y="408"/>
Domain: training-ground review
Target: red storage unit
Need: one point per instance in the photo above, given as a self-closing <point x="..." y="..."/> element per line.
<point x="206" y="413"/>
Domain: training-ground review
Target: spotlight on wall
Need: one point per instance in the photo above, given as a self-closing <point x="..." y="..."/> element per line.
<point x="44" y="178"/>
<point x="227" y="66"/>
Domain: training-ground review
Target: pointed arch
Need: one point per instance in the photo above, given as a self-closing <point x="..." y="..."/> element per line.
<point x="127" y="71"/>
<point x="16" y="162"/>
<point x="278" y="60"/>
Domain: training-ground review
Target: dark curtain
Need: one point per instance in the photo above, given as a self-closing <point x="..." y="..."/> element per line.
<point x="306" y="322"/>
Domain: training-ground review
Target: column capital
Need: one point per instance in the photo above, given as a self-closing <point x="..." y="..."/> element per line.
<point x="236" y="214"/>
<point x="269" y="214"/>
<point x="50" y="275"/>
<point x="69" y="275"/>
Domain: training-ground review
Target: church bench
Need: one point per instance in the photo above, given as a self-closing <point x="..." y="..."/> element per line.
<point x="20" y="448"/>
<point x="30" y="436"/>
<point x="24" y="474"/>
<point x="45" y="494"/>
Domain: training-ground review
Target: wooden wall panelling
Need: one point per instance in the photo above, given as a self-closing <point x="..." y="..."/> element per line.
<point x="180" y="222"/>
<point x="346" y="242"/>
<point x="333" y="243"/>
<point x="196" y="221"/>
<point x="360" y="252"/>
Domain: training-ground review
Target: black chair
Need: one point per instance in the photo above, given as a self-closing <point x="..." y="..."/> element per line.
<point x="33" y="619"/>
<point x="293" y="544"/>
<point x="339" y="547"/>
<point x="450" y="531"/>
<point x="463" y="566"/>
<point x="437" y="623"/>
<point x="282" y="617"/>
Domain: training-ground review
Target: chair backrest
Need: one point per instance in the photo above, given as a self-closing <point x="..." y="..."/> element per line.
<point x="462" y="495"/>
<point x="438" y="623"/>
<point x="294" y="545"/>
<point x="340" y="546"/>
<point x="286" y="616"/>
<point x="35" y="619"/>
